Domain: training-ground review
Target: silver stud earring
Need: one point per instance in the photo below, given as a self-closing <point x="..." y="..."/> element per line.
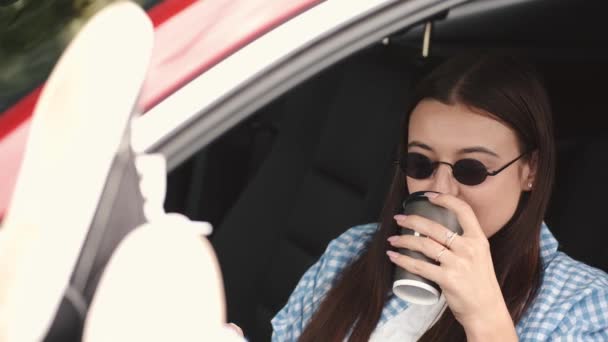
<point x="529" y="185"/>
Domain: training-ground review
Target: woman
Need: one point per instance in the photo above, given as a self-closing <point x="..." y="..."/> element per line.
<point x="480" y="134"/>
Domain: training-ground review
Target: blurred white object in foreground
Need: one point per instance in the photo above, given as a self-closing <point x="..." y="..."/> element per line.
<point x="80" y="258"/>
<point x="163" y="282"/>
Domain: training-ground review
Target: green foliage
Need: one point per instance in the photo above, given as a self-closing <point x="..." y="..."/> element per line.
<point x="33" y="33"/>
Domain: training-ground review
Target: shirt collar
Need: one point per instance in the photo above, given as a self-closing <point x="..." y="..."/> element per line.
<point x="548" y="244"/>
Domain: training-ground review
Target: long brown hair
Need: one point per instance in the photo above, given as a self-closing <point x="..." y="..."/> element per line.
<point x="510" y="89"/>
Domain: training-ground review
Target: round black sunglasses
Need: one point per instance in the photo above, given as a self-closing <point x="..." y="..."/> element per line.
<point x="466" y="171"/>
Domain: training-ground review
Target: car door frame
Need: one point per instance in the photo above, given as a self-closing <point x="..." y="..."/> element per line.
<point x="235" y="88"/>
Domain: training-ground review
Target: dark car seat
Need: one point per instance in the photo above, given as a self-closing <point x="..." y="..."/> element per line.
<point x="328" y="170"/>
<point x="577" y="211"/>
<point x="576" y="214"/>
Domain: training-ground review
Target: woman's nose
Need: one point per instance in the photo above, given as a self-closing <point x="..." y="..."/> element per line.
<point x="443" y="181"/>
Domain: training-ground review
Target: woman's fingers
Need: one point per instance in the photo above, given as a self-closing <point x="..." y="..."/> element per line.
<point x="426" y="246"/>
<point x="464" y="212"/>
<point x="419" y="267"/>
<point x="432" y="229"/>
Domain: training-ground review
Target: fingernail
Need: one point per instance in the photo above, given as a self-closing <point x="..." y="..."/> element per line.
<point x="399" y="217"/>
<point x="392" y="239"/>
<point x="392" y="254"/>
<point x="431" y="194"/>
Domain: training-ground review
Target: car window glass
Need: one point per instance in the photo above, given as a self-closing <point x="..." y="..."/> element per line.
<point x="33" y="35"/>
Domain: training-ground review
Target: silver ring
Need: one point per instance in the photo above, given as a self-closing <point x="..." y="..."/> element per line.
<point x="450" y="239"/>
<point x="440" y="254"/>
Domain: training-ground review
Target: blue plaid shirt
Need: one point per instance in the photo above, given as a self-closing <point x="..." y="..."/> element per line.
<point x="571" y="305"/>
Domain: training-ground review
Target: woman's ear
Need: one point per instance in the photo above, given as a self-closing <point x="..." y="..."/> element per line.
<point x="529" y="171"/>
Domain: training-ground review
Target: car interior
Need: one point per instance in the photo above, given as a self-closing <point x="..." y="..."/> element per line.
<point x="317" y="160"/>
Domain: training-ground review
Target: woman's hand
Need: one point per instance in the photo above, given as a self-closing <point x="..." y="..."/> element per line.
<point x="465" y="272"/>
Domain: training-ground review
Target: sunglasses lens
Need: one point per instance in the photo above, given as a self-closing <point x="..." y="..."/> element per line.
<point x="416" y="165"/>
<point x="470" y="172"/>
